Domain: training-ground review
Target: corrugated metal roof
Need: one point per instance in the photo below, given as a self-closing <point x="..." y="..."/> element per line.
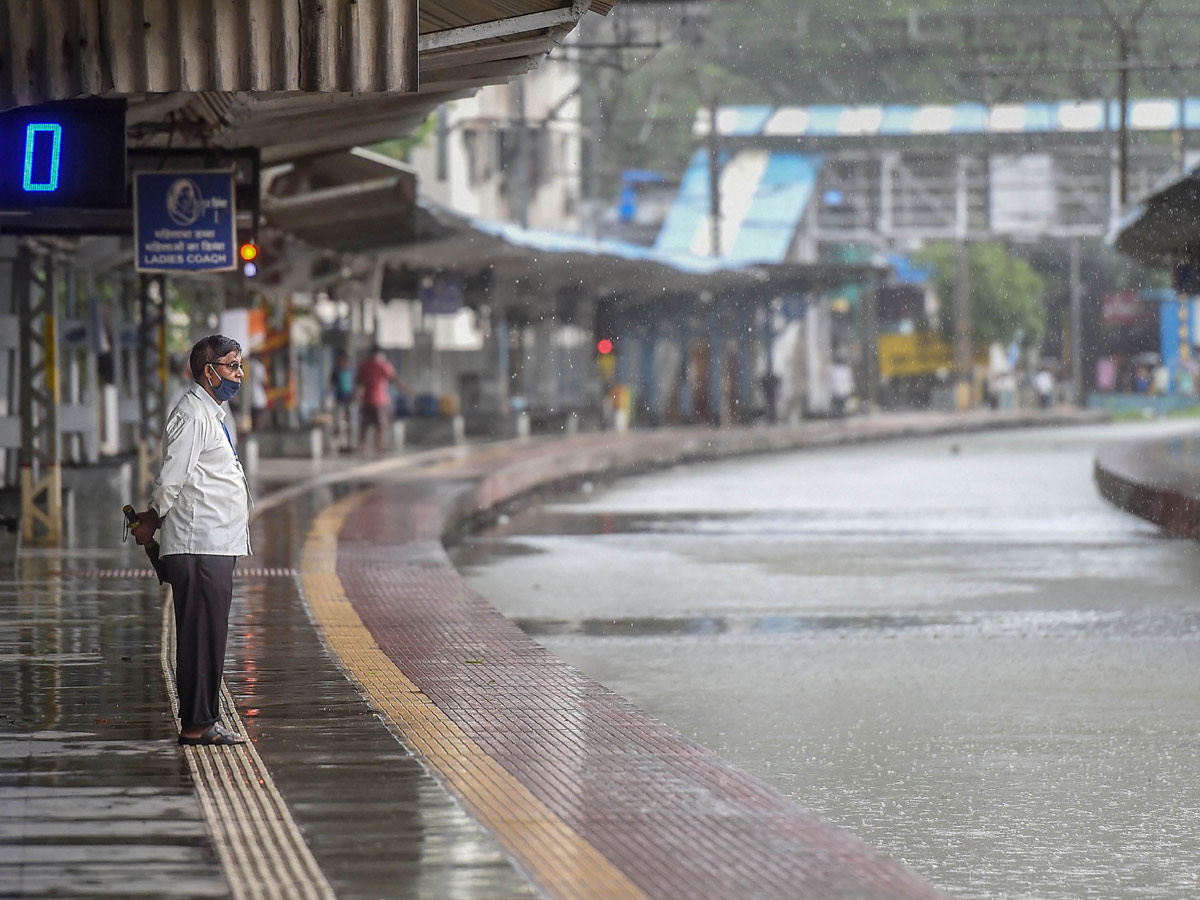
<point x="293" y="77"/>
<point x="63" y="48"/>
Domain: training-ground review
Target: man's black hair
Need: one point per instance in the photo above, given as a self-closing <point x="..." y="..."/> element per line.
<point x="209" y="350"/>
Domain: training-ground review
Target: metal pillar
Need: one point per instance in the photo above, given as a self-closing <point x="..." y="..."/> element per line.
<point x="744" y="398"/>
<point x="152" y="375"/>
<point x="963" y="355"/>
<point x="80" y="400"/>
<point x="35" y="291"/>
<point x="962" y="325"/>
<point x="870" y="360"/>
<point x="686" y="339"/>
<point x="716" y="353"/>
<point x="648" y="373"/>
<point x="714" y="182"/>
<point x="1076" y="323"/>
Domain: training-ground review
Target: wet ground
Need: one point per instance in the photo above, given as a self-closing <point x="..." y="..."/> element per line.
<point x="96" y="799"/>
<point x="92" y="784"/>
<point x="952" y="647"/>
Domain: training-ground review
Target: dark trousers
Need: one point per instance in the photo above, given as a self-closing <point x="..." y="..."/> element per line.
<point x="202" y="587"/>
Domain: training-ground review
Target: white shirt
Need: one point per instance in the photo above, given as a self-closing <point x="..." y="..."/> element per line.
<point x="201" y="493"/>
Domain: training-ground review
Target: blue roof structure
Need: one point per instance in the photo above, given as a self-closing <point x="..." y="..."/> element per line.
<point x="1062" y="117"/>
<point x="763" y="197"/>
<point x="905" y="271"/>
<point x="560" y="242"/>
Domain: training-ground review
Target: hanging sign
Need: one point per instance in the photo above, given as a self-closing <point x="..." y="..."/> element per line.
<point x="184" y="221"/>
<point x="441" y="295"/>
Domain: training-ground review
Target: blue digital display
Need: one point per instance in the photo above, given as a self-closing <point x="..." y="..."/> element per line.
<point x="63" y="155"/>
<point x="51" y="157"/>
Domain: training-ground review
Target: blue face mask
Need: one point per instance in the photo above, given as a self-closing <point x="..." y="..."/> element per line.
<point x="226" y="389"/>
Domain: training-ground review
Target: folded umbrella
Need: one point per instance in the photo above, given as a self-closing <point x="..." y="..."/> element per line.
<point x="151" y="548"/>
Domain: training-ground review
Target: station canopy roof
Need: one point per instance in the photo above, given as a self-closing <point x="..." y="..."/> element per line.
<point x="1164" y="228"/>
<point x="352" y="201"/>
<point x="551" y="262"/>
<point x="294" y="78"/>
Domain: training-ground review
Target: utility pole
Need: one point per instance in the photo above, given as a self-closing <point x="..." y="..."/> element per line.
<point x="962" y="325"/>
<point x="714" y="181"/>
<point x="522" y="149"/>
<point x="1126" y="34"/>
<point x="963" y="355"/>
<point x="1076" y="322"/>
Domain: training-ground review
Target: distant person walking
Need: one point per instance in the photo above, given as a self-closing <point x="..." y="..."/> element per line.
<point x="372" y="380"/>
<point x="202" y="502"/>
<point x="770" y="389"/>
<point x="341" y="389"/>
<point x="841" y="386"/>
<point x="1160" y="380"/>
<point x="1043" y="386"/>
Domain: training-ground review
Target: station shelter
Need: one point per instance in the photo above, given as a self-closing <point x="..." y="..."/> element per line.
<point x="1162" y="232"/>
<point x="272" y="95"/>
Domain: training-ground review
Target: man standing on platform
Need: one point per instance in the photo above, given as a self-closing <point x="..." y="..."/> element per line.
<point x="202" y="501"/>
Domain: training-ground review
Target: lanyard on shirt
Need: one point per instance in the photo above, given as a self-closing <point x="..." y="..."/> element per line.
<point x="249" y="495"/>
<point x="230" y="439"/>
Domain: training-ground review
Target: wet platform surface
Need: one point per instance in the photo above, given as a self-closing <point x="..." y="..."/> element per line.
<point x="97" y="796"/>
<point x="95" y="800"/>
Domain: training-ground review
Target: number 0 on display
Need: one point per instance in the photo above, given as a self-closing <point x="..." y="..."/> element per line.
<point x="31" y="151"/>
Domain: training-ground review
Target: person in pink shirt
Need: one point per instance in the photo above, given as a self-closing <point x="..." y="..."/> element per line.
<point x="371" y="382"/>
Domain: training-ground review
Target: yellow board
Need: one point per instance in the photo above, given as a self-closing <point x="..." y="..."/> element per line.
<point x="923" y="353"/>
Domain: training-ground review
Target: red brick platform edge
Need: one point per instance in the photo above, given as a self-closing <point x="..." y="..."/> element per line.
<point x="1156" y="480"/>
<point x="669" y="813"/>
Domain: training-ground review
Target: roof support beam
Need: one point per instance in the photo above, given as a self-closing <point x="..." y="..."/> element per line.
<point x="484" y="31"/>
<point x="469" y="56"/>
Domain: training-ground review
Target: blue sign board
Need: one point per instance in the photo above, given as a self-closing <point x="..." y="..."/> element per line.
<point x="58" y="155"/>
<point x="441" y="295"/>
<point x="184" y="221"/>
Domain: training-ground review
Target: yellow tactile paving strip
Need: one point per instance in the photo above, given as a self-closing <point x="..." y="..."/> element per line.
<point x="555" y="855"/>
<point x="262" y="853"/>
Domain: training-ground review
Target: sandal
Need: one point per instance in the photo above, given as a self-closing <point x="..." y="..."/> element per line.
<point x="215" y="735"/>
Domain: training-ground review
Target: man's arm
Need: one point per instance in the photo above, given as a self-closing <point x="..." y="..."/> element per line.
<point x="395" y="379"/>
<point x="182" y="444"/>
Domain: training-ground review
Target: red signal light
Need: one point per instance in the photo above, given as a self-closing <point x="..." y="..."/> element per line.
<point x="604" y="346"/>
<point x="248" y="251"/>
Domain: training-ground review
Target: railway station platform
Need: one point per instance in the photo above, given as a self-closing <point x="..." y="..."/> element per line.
<point x="1157" y="480"/>
<point x="406" y="740"/>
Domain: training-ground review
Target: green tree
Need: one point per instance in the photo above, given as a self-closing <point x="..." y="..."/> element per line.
<point x="399" y="148"/>
<point x="1006" y="294"/>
